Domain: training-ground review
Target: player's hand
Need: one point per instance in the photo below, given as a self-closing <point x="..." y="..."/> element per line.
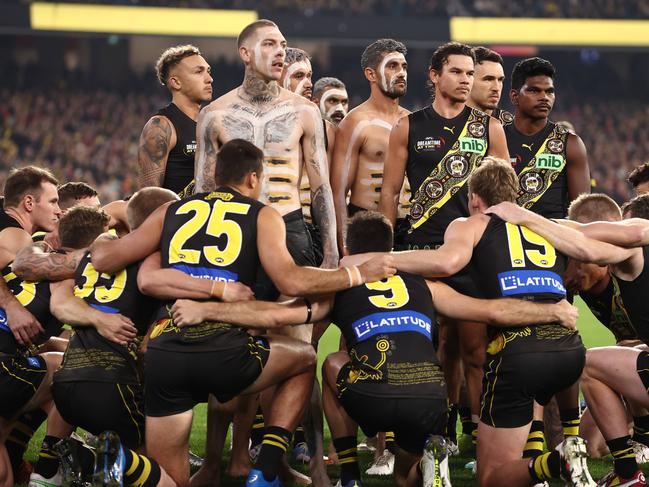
<point x="115" y="327"/>
<point x="378" y="268"/>
<point x="510" y="212"/>
<point x="186" y="312"/>
<point x="236" y="291"/>
<point x="22" y="323"/>
<point x="52" y="239"/>
<point x="567" y="314"/>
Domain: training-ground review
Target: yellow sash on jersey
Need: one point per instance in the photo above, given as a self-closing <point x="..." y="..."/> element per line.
<point x="453" y="170"/>
<point x="544" y="168"/>
<point x="188" y="190"/>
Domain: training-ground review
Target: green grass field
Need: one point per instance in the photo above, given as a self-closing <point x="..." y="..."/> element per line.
<point x="593" y="335"/>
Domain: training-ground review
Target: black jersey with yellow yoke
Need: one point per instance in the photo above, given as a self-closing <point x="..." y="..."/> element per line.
<point x="540" y="162"/>
<point x="387" y="326"/>
<point x="90" y="356"/>
<point x="442" y="153"/>
<point x="515" y="262"/>
<point x="208" y="236"/>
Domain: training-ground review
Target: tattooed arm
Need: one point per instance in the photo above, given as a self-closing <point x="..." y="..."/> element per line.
<point x="34" y="263"/>
<point x="157" y="139"/>
<point x="322" y="204"/>
<point x="207" y="146"/>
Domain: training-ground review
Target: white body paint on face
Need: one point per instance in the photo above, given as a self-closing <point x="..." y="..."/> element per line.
<point x="336" y="108"/>
<point x="395" y="56"/>
<point x="291" y="70"/>
<point x="263" y="65"/>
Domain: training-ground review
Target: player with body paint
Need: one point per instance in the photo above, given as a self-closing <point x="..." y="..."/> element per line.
<point x="289" y="130"/>
<point x="330" y="94"/>
<point x="296" y="77"/>
<point x="285" y="126"/>
<point x="362" y="140"/>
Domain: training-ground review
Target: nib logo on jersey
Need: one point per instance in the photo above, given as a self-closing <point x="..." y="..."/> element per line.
<point x="469" y="144"/>
<point x="207" y="273"/>
<point x="513" y="283"/>
<point x="551" y="162"/>
<point x="392" y="322"/>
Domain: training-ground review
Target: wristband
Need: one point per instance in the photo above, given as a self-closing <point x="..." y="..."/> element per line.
<point x="349" y="276"/>
<point x="357" y="273"/>
<point x="308" y="310"/>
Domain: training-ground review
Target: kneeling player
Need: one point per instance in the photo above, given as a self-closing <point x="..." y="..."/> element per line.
<point x="389" y="379"/>
<point x="218" y="237"/>
<point x="525" y="365"/>
<point x="603" y="384"/>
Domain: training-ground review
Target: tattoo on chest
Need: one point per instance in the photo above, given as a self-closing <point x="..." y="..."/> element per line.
<point x="261" y="127"/>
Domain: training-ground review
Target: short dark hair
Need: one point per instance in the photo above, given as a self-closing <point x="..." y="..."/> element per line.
<point x="23" y="181"/>
<point x="236" y="159"/>
<point x="170" y="58"/>
<point x="250" y="29"/>
<point x="587" y="208"/>
<point x="373" y="54"/>
<point x="526" y="68"/>
<point x="70" y="192"/>
<point x="637" y="207"/>
<point x="145" y="202"/>
<point x="443" y="52"/>
<point x="81" y="225"/>
<point x="483" y="54"/>
<point x="295" y="55"/>
<point x="320" y="86"/>
<point x="639" y="175"/>
<point x="369" y="231"/>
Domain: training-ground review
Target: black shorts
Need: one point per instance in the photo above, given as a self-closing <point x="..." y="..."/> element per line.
<point x="513" y="381"/>
<point x="101" y="406"/>
<point x="642" y="367"/>
<point x="177" y="381"/>
<point x="20" y="378"/>
<point x="300" y="246"/>
<point x="318" y="252"/>
<point x="411" y="419"/>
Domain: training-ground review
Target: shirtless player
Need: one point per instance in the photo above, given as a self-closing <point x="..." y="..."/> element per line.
<point x="364" y="133"/>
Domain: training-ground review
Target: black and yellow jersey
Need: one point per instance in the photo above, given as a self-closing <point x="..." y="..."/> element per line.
<point x="609" y="309"/>
<point x="442" y="153"/>
<point x="35" y="297"/>
<point x="514" y="262"/>
<point x="89" y="355"/>
<point x="540" y="162"/>
<point x="208" y="236"/>
<point x="503" y="116"/>
<point x="634" y="298"/>
<point x="388" y="328"/>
